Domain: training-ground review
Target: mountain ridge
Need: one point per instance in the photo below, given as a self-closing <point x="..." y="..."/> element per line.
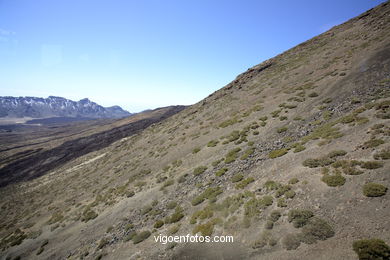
<point x="52" y="106"/>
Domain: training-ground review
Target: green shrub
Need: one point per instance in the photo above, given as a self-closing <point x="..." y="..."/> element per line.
<point x="282" y="129"/>
<point x="382" y="155"/>
<point x="275" y="113"/>
<point x="215" y="163"/>
<point x="371" y="249"/>
<point x="237" y="177"/>
<point x="212" y="143"/>
<point x="171" y="205"/>
<point x="231" y="156"/>
<point x="138" y="238"/>
<point x="205" y="229"/>
<point x="176" y="216"/>
<point x="277" y="153"/>
<point x="293" y="181"/>
<point x="351" y="171"/>
<point x="210" y="193"/>
<point x="291" y="241"/>
<point x="314" y="163"/>
<point x="228" y="122"/>
<point x="195" y="150"/>
<point x="158" y="224"/>
<point x="333" y="180"/>
<point x="290" y="194"/>
<point x="317" y="229"/>
<point x="299" y="217"/>
<point x="88" y="215"/>
<point x="244" y="183"/>
<point x="371" y="165"/>
<point x="263" y="118"/>
<point x="282" y="118"/>
<point x="247" y="153"/>
<point x="373" y="143"/>
<point x="199" y="170"/>
<point x="337" y="153"/>
<point x="282" y="190"/>
<point x="299" y="148"/>
<point x="313" y="94"/>
<point x="271" y="185"/>
<point x="374" y="190"/>
<point x="221" y="172"/>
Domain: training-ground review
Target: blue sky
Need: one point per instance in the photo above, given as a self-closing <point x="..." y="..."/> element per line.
<point x="150" y="53"/>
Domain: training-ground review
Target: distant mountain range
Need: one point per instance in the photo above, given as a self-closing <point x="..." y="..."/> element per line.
<point x="52" y="106"/>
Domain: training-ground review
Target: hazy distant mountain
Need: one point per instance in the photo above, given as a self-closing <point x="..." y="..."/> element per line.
<point x="56" y="106"/>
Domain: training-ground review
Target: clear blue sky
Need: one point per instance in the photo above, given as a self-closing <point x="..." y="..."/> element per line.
<point x="150" y="53"/>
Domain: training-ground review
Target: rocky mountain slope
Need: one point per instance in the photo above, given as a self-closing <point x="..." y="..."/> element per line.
<point x="291" y="158"/>
<point x="36" y="107"/>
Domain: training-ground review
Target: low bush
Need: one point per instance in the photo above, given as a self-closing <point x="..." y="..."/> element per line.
<point x="371" y="165"/>
<point x="210" y="193"/>
<point x="299" y="217"/>
<point x="282" y="129"/>
<point x="247" y="153"/>
<point x="237" y="177"/>
<point x="138" y="238"/>
<point x="333" y="180"/>
<point x="382" y="155"/>
<point x="313" y="94"/>
<point x="195" y="150"/>
<point x="374" y="189"/>
<point x="271" y="185"/>
<point x="158" y="224"/>
<point x="293" y="181"/>
<point x="373" y="143"/>
<point x="314" y="163"/>
<point x="221" y="172"/>
<point x="244" y="183"/>
<point x="212" y="143"/>
<point x="199" y="170"/>
<point x="337" y="153"/>
<point x="231" y="156"/>
<point x="371" y="249"/>
<point x="318" y="229"/>
<point x="277" y="153"/>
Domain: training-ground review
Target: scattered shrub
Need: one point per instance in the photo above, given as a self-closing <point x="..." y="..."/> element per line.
<point x="318" y="229"/>
<point x="282" y="129"/>
<point x="237" y="177"/>
<point x="231" y="156"/>
<point x="277" y="153"/>
<point x="271" y="185"/>
<point x="176" y="216"/>
<point x="333" y="180"/>
<point x="282" y="190"/>
<point x="247" y="153"/>
<point x="290" y="194"/>
<point x="244" y="183"/>
<point x="88" y="215"/>
<point x="212" y="143"/>
<point x="221" y="172"/>
<point x="293" y="181"/>
<point x="158" y="224"/>
<point x="210" y="193"/>
<point x="337" y="153"/>
<point x="281" y="203"/>
<point x="374" y="190"/>
<point x="371" y="165"/>
<point x="382" y="155"/>
<point x="371" y="249"/>
<point x="351" y="171"/>
<point x="199" y="170"/>
<point x="314" y="163"/>
<point x="195" y="150"/>
<point x="299" y="217"/>
<point x="313" y="94"/>
<point x="299" y="148"/>
<point x="373" y="143"/>
<point x="138" y="238"/>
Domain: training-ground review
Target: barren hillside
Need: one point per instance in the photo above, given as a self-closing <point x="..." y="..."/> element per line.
<point x="291" y="158"/>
